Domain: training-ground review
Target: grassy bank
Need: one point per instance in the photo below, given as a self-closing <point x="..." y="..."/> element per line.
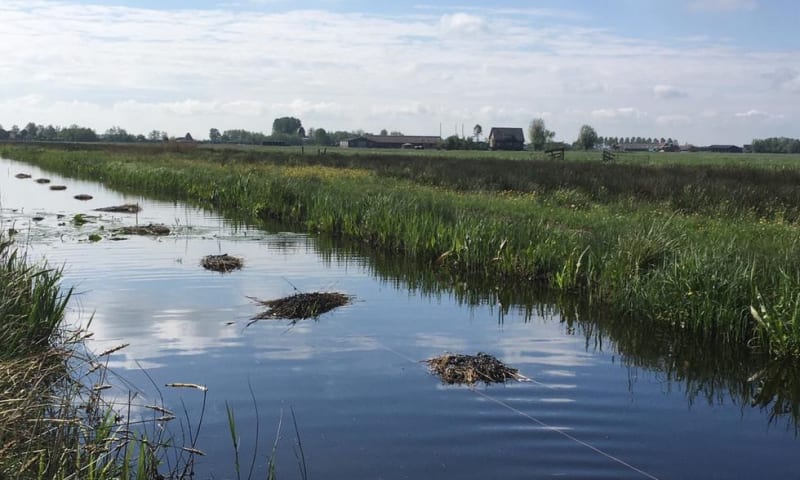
<point x="54" y="422"/>
<point x="708" y="250"/>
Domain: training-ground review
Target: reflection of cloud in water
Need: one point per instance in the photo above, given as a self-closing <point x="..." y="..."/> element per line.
<point x="275" y="347"/>
<point x="441" y="342"/>
<point x="551" y="351"/>
<point x="167" y="337"/>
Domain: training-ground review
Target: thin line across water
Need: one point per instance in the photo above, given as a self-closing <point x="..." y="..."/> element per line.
<point x="523" y="414"/>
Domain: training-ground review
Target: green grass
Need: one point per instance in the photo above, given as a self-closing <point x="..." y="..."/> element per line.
<point x="31" y="304"/>
<point x="691" y="247"/>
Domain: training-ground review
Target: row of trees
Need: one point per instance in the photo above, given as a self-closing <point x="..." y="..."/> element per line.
<point x="542" y="139"/>
<point x="629" y="140"/>
<point x="75" y="133"/>
<point x="34" y="132"/>
<point x="289" y="131"/>
<point x="776" y="145"/>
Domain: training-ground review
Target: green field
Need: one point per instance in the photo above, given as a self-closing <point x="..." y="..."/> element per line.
<point x="696" y="243"/>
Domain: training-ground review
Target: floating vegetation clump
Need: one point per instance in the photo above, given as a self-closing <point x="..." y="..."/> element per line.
<point x="83" y="196"/>
<point x="22" y="175"/>
<point x="151" y="229"/>
<point x="301" y="305"/>
<point x="43" y="180"/>
<point x="80" y="219"/>
<point x="222" y="263"/>
<point x="58" y="187"/>
<point x="456" y="369"/>
<point x="126" y="208"/>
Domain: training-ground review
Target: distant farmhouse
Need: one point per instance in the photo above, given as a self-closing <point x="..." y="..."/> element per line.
<point x="391" y="141"/>
<point x="506" y="139"/>
<point x="721" y="149"/>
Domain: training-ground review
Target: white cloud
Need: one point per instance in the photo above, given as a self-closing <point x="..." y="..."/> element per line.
<point x="613" y="113"/>
<point x="493" y="11"/>
<point x="673" y="120"/>
<point x="785" y="78"/>
<point x="668" y="92"/>
<point x="585" y="87"/>
<point x="758" y="114"/>
<point x="722" y="5"/>
<point x="462" y="23"/>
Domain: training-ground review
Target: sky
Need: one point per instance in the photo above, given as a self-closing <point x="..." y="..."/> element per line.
<point x="700" y="71"/>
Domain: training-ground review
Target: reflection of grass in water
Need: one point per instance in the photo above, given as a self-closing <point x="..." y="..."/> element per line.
<point x="777" y="392"/>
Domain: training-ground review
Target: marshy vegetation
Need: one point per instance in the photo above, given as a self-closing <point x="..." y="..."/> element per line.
<point x="301" y="306"/>
<point x="223" y="263"/>
<point x="457" y="369"/>
<point x="705" y="249"/>
<point x="54" y="421"/>
<point x="124" y="208"/>
<point x="149" y="229"/>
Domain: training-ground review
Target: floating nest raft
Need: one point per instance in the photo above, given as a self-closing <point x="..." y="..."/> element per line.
<point x="222" y="263"/>
<point x="23" y="175"/>
<point x="58" y="187"/>
<point x="126" y="208"/>
<point x="151" y="229"/>
<point x="82" y="196"/>
<point x="454" y="368"/>
<point x="301" y="305"/>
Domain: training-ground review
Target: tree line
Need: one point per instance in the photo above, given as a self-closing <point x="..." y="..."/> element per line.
<point x="285" y="130"/>
<point x="288" y="131"/>
<point x="543" y="139"/>
<point x="34" y="132"/>
<point x="776" y="145"/>
<point x="75" y="133"/>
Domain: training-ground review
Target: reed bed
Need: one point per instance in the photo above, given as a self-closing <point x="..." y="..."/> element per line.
<point x="54" y="420"/>
<point x="31" y="304"/>
<point x="693" y="256"/>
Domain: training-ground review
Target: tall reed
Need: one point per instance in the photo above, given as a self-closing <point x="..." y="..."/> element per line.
<point x="54" y="420"/>
<point x="31" y="303"/>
